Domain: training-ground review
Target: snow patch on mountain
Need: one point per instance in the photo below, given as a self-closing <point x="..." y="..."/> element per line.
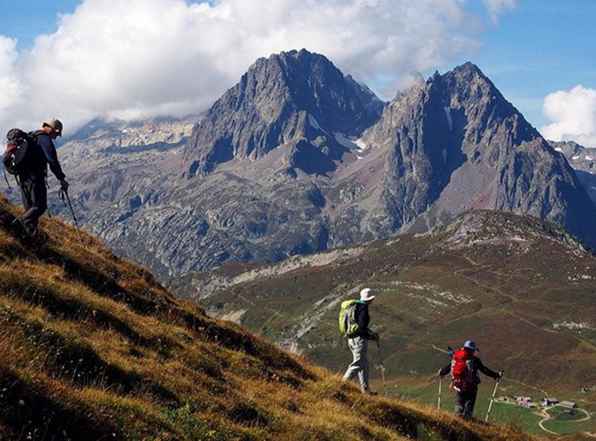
<point x="345" y="141"/>
<point x="449" y="119"/>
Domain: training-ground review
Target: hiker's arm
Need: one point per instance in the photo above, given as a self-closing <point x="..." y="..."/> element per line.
<point x="445" y="370"/>
<point x="49" y="151"/>
<point x="486" y="371"/>
<point x="363" y="322"/>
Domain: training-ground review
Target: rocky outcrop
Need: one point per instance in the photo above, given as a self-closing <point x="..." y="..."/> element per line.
<point x="296" y="99"/>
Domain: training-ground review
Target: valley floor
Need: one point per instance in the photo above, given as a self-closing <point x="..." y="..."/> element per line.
<point x="553" y="421"/>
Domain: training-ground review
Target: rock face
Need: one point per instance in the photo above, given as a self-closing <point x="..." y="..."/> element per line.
<point x="454" y="143"/>
<point x="293" y="100"/>
<point x="298" y="158"/>
<point x="583" y="160"/>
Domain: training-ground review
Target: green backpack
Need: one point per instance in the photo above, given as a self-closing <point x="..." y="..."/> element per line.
<point x="348" y="326"/>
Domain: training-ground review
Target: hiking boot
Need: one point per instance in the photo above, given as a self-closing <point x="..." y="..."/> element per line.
<point x="22" y="230"/>
<point x="18" y="228"/>
<point x="40" y="237"/>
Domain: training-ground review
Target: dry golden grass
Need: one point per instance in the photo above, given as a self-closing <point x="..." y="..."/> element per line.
<point x="93" y="348"/>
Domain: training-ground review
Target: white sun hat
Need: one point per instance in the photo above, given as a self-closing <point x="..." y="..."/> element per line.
<point x="365" y="295"/>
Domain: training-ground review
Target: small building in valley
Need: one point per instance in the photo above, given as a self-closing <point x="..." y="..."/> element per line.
<point x="568" y="404"/>
<point x="524" y="401"/>
<point x="547" y="402"/>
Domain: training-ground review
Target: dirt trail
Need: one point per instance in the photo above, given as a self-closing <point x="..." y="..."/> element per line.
<point x="547" y="417"/>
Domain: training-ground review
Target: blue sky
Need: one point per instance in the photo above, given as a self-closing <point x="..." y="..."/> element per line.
<point x="24" y="19"/>
<point x="539" y="47"/>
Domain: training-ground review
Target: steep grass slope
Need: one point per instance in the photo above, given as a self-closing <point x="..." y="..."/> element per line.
<point x="93" y="348"/>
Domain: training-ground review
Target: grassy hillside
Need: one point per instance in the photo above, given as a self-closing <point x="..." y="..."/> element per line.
<point x="524" y="290"/>
<point x="93" y="348"/>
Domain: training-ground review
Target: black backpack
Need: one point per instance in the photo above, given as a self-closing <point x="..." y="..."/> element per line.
<point x="19" y="145"/>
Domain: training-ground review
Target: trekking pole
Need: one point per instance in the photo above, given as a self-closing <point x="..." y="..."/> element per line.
<point x="6" y="179"/>
<point x="383" y="378"/>
<point x="492" y="400"/>
<point x="381" y="366"/>
<point x="66" y="199"/>
<point x="440" y="390"/>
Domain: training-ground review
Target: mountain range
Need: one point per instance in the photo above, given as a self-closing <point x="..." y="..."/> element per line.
<point x="299" y="158"/>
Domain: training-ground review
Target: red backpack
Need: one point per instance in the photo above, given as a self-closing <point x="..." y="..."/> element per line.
<point x="463" y="376"/>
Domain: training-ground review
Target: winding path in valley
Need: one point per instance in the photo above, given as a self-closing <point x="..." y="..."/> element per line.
<point x="547" y="417"/>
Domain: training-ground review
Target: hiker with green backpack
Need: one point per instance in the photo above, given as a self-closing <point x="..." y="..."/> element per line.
<point x="354" y="323"/>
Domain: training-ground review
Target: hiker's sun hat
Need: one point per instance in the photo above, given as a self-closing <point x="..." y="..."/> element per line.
<point x="55" y="124"/>
<point x="365" y="295"/>
<point x="471" y="345"/>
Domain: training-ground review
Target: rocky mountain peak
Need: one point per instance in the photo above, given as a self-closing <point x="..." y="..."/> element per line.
<point x="455" y="143"/>
<point x="286" y="99"/>
<point x="468" y="70"/>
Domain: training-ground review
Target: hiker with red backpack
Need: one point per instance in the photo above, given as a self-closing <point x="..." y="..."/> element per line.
<point x="354" y="320"/>
<point x="27" y="157"/>
<point x="465" y="378"/>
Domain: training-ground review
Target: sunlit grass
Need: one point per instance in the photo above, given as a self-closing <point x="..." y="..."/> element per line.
<point x="92" y="347"/>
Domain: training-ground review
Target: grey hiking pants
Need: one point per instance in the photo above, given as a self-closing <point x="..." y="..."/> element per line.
<point x="464" y="403"/>
<point x="359" y="366"/>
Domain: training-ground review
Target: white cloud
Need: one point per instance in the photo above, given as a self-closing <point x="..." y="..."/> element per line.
<point x="9" y="83"/>
<point x="153" y="57"/>
<point x="498" y="7"/>
<point x="573" y="115"/>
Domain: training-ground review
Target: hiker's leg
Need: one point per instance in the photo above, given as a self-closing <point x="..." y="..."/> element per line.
<point x="25" y="186"/>
<point x="363" y="374"/>
<point x="38" y="199"/>
<point x="354" y="366"/>
<point x="470" y="403"/>
<point x="357" y="345"/>
<point x="460" y="403"/>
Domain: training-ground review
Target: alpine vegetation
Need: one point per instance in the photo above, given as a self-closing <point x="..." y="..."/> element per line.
<point x="93" y="348"/>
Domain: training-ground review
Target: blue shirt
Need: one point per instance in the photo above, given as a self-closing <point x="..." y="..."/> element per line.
<point x="49" y="155"/>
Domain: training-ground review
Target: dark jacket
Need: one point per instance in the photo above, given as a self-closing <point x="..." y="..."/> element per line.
<point x="476" y="366"/>
<point x="363" y="320"/>
<point x="43" y="153"/>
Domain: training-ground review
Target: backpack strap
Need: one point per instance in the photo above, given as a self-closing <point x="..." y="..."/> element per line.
<point x="35" y="134"/>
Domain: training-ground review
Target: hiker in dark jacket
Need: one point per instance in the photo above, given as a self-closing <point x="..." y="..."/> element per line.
<point x="358" y="343"/>
<point x="464" y="369"/>
<point x="33" y="180"/>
